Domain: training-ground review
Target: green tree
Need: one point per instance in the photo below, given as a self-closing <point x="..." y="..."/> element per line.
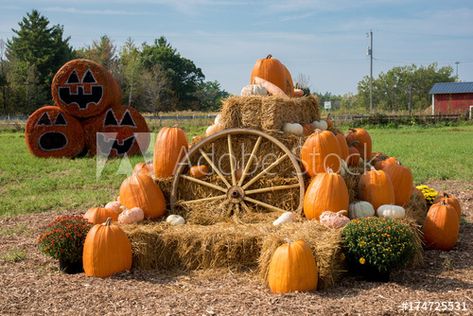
<point x="210" y="95"/>
<point x="130" y="68"/>
<point x="102" y="51"/>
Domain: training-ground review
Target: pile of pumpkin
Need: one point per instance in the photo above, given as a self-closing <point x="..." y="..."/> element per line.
<point x="87" y="101"/>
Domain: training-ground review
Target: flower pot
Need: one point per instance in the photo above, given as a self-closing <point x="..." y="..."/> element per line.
<point x="70" y="267"/>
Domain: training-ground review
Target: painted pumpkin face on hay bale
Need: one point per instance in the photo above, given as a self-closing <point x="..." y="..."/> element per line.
<point x="51" y="132"/>
<point x="84" y="88"/>
<point x="118" y="131"/>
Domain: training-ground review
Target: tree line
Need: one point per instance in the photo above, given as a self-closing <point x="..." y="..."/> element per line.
<point x="154" y="77"/>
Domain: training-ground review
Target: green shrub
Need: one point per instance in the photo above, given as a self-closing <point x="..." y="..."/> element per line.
<point x="378" y="244"/>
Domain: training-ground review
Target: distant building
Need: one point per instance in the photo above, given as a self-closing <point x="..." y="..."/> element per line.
<point x="452" y="97"/>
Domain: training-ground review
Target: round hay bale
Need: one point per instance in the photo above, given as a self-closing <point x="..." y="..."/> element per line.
<point x="51" y="132"/>
<point x="118" y="131"/>
<point x="84" y="88"/>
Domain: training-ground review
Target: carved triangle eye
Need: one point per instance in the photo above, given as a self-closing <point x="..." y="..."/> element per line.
<point x="44" y="120"/>
<point x="110" y="119"/>
<point x="127" y="120"/>
<point x="73" y="78"/>
<point x="60" y="120"/>
<point x="88" y="77"/>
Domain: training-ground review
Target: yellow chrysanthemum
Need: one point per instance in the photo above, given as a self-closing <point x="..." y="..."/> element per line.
<point x="362" y="260"/>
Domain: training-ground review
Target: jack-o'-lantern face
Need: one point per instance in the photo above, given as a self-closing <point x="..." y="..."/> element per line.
<point x="120" y="130"/>
<point x="51" y="132"/>
<point x="84" y="88"/>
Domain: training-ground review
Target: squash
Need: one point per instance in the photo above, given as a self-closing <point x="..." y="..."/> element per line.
<point x="320" y="152"/>
<point x="213" y="129"/>
<point x="292" y="268"/>
<point x="217" y="120"/>
<point x="139" y="190"/>
<point x="342" y="142"/>
<point x="359" y="209"/>
<point x="353" y="158"/>
<point x="330" y="122"/>
<point x="253" y="89"/>
<point x="391" y="211"/>
<point x="131" y="216"/>
<point x="293" y="128"/>
<point x="271" y="88"/>
<point x="298" y="93"/>
<point x="403" y="183"/>
<point x="275" y="72"/>
<point x="359" y="138"/>
<point x="441" y="226"/>
<point x="107" y="250"/>
<point x="286" y="217"/>
<point x="375" y="187"/>
<point x="326" y="192"/>
<point x="334" y="220"/>
<point x="170" y="146"/>
<point x="98" y="215"/>
<point x="175" y="220"/>
<point x="308" y="129"/>
<point x="114" y="206"/>
<point x="199" y="171"/>
<point x="321" y="124"/>
<point x="381" y="164"/>
<point x="147" y="168"/>
<point x="450" y="199"/>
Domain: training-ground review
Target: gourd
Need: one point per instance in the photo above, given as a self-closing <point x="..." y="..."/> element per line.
<point x="147" y="168"/>
<point x="171" y="145"/>
<point x="175" y="220"/>
<point x="320" y="152"/>
<point x="403" y="182"/>
<point x="359" y="138"/>
<point x="342" y="142"/>
<point x="330" y="122"/>
<point x="114" y="206"/>
<point x="293" y="128"/>
<point x="275" y="72"/>
<point x="441" y="226"/>
<point x="451" y="200"/>
<point x="353" y="156"/>
<point x="217" y="120"/>
<point x="271" y="88"/>
<point x="292" y="268"/>
<point x="308" y="129"/>
<point x="131" y="216"/>
<point x="320" y="124"/>
<point x="360" y="209"/>
<point x="98" y="215"/>
<point x="213" y="129"/>
<point x="391" y="211"/>
<point x="298" y="93"/>
<point x="375" y="187"/>
<point x="253" y="89"/>
<point x="286" y="217"/>
<point x="199" y="171"/>
<point x="334" y="220"/>
<point x="107" y="250"/>
<point x="381" y="164"/>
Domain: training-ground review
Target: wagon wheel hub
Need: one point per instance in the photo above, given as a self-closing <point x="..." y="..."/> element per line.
<point x="235" y="194"/>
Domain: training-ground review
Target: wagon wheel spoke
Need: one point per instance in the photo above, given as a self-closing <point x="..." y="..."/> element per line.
<point x="210" y="185"/>
<point x="214" y="168"/>
<point x="272" y="189"/>
<point x="245" y="207"/>
<point x="265" y="171"/>
<point x="231" y="155"/>
<point x="212" y="198"/>
<point x="266" y="205"/>
<point x="250" y="160"/>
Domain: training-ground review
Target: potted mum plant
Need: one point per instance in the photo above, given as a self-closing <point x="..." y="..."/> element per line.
<point x="63" y="239"/>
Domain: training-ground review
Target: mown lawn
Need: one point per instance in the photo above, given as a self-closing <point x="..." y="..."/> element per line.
<point x="29" y="184"/>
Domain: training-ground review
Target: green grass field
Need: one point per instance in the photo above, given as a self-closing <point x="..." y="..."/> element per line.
<point x="29" y="184"/>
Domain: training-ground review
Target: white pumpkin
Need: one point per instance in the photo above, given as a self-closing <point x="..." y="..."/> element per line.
<point x="391" y="211"/>
<point x="322" y="125"/>
<point x="213" y="129"/>
<point x="360" y="209"/>
<point x="217" y="120"/>
<point x="131" y="216"/>
<point x="293" y="128"/>
<point x="334" y="220"/>
<point x="175" y="220"/>
<point x="114" y="206"/>
<point x="286" y="217"/>
<point x="253" y="89"/>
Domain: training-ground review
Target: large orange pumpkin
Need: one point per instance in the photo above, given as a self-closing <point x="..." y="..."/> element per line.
<point x="441" y="226"/>
<point x="381" y="164"/>
<point x="376" y="187"/>
<point x="139" y="190"/>
<point x="452" y="200"/>
<point x="326" y="192"/>
<point x="403" y="182"/>
<point x="342" y="142"/>
<point x="359" y="138"/>
<point x="170" y="147"/>
<point x="353" y="156"/>
<point x="84" y="88"/>
<point x="98" y="215"/>
<point x="107" y="251"/>
<point x="51" y="132"/>
<point x="118" y="131"/>
<point x="292" y="268"/>
<point x="320" y="152"/>
<point x="274" y="71"/>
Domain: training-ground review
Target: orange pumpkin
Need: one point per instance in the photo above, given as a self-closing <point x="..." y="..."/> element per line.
<point x="146" y="167"/>
<point x="169" y="149"/>
<point x="403" y="183"/>
<point x="326" y="192"/>
<point x="84" y="88"/>
<point x="199" y="171"/>
<point x="353" y="156"/>
<point x="452" y="200"/>
<point x="441" y="226"/>
<point x="330" y="122"/>
<point x="382" y="164"/>
<point x="107" y="251"/>
<point x="274" y="71"/>
<point x="359" y="138"/>
<point x="139" y="190"/>
<point x="320" y="152"/>
<point x="376" y="187"/>
<point x="342" y="142"/>
<point x="98" y="215"/>
<point x="51" y="132"/>
<point x="308" y="129"/>
<point x="292" y="268"/>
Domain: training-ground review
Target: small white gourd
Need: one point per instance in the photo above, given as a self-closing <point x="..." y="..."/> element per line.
<point x="391" y="211"/>
<point x="360" y="209"/>
<point x="321" y="124"/>
<point x="293" y="128"/>
<point x="175" y="220"/>
<point x="334" y="220"/>
<point x="286" y="217"/>
<point x="217" y="120"/>
<point x="253" y="89"/>
<point x="131" y="216"/>
<point x="114" y="206"/>
<point x="213" y="129"/>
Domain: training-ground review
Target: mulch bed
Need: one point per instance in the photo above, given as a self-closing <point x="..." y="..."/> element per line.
<point x="34" y="285"/>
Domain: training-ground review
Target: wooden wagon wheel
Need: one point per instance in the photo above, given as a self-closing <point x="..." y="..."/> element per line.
<point x="238" y="190"/>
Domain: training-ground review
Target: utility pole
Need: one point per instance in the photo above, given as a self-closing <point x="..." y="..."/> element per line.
<point x="457" y="63"/>
<point x="2" y="52"/>
<point x="370" y="53"/>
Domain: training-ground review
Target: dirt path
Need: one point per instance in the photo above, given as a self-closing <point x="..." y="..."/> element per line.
<point x="31" y="284"/>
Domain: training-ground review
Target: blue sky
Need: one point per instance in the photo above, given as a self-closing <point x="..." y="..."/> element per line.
<point x="325" y="40"/>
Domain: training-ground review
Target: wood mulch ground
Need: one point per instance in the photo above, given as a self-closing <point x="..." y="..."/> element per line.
<point x="30" y="283"/>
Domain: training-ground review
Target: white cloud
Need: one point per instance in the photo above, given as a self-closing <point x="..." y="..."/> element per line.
<point x="95" y="12"/>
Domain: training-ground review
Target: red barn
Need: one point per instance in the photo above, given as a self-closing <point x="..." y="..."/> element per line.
<point x="452" y="97"/>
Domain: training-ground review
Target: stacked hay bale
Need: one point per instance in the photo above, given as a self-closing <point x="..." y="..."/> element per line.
<point x="88" y="98"/>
